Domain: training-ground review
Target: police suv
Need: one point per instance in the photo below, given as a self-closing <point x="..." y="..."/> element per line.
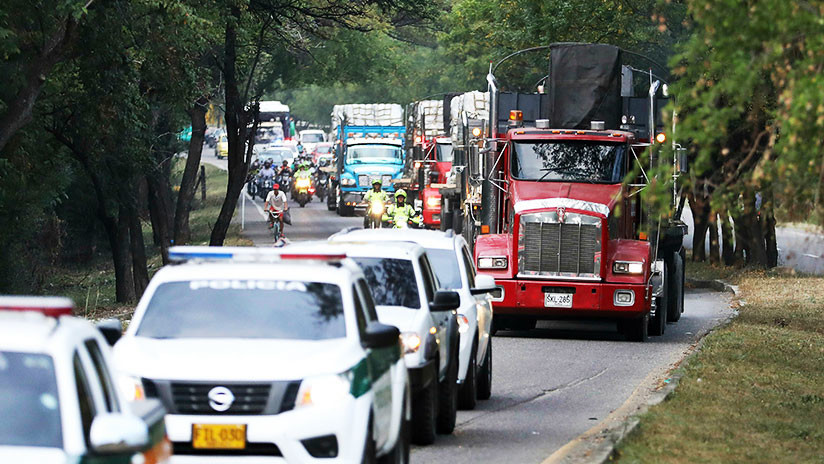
<point x="259" y="357"/>
<point x="453" y="265"/>
<point x="407" y="295"/>
<point x="58" y="399"/>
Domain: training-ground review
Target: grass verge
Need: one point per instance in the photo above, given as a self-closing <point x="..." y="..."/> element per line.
<point x="755" y="391"/>
<point x="92" y="284"/>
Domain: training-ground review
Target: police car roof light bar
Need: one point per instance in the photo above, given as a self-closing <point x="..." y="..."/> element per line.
<point x="50" y="306"/>
<point x="180" y="254"/>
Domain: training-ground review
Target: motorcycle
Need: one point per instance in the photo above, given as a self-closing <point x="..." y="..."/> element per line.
<point x="321" y="180"/>
<point x="402" y="221"/>
<point x="264" y="186"/>
<point x="374" y="214"/>
<point x="285" y="181"/>
<point x="303" y="190"/>
<point x="274" y="218"/>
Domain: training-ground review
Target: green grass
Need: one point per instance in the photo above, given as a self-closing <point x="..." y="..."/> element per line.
<point x="92" y="285"/>
<point x="755" y="391"/>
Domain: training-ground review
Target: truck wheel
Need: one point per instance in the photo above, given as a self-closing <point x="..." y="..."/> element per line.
<point x="485" y="374"/>
<point x="468" y="393"/>
<point x="424" y="412"/>
<point x="658" y="323"/>
<point x="635" y="329"/>
<point x="448" y="396"/>
<point x="676" y="289"/>
<point x="400" y="452"/>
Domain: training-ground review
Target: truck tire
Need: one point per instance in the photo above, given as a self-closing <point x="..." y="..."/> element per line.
<point x="424" y="415"/>
<point x="400" y="452"/>
<point x="448" y="396"/>
<point x="676" y="289"/>
<point x="468" y="392"/>
<point x="485" y="374"/>
<point x="658" y="322"/>
<point x="635" y="329"/>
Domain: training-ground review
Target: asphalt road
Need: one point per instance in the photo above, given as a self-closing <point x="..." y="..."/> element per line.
<point x="550" y="384"/>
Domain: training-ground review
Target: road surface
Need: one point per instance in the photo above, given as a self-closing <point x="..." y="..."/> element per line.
<point x="550" y="384"/>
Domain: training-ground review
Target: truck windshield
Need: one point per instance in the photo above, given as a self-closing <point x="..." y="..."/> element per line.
<point x="373" y="154"/>
<point x="29" y="401"/>
<point x="444" y="152"/>
<point x="569" y="161"/>
<point x="235" y="308"/>
<point x="392" y="281"/>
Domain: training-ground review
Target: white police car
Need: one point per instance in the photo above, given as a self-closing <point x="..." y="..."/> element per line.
<point x="407" y="295"/>
<point x="455" y="269"/>
<point x="262" y="358"/>
<point x="58" y="400"/>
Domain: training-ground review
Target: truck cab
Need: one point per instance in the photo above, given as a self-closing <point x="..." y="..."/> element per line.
<point x="363" y="159"/>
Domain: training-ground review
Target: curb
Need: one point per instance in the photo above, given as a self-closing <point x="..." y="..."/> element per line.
<point x="598" y="444"/>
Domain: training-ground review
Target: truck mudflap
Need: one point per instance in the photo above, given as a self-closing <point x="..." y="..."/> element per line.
<point x="572" y="299"/>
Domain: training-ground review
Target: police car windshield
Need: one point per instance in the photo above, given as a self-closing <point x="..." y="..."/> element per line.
<point x="273" y="309"/>
<point x="29" y="401"/>
<point x="392" y="281"/>
<point x="445" y="265"/>
<point x="373" y="154"/>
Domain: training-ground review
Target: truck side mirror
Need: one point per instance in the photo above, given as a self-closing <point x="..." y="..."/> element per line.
<point x="681" y="163"/>
<point x="474" y="160"/>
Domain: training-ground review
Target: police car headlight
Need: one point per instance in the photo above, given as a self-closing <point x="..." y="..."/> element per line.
<point x="492" y="262"/>
<point x="347" y="182"/>
<point x="132" y="388"/>
<point x="411" y="342"/>
<point x="323" y="390"/>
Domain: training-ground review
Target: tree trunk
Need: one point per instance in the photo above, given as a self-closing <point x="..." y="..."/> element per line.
<point x="140" y="270"/>
<point x="18" y="111"/>
<point x="159" y="213"/>
<point x="121" y="254"/>
<point x="699" y="206"/>
<point x="236" y="120"/>
<point x="756" y="247"/>
<point x="727" y="246"/>
<point x="715" y="250"/>
<point x="182" y="233"/>
<point x="741" y="238"/>
<point x="768" y="225"/>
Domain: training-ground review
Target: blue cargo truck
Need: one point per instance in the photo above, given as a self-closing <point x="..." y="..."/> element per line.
<point x="365" y="153"/>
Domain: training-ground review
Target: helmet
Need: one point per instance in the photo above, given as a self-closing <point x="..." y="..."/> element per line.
<point x="400" y="193"/>
<point x="285" y="163"/>
<point x="376" y="180"/>
<point x="276" y="186"/>
<point x="267" y="164"/>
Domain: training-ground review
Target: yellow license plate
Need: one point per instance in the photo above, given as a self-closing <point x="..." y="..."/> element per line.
<point x="218" y="436"/>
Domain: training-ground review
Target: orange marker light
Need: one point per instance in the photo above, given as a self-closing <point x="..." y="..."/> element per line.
<point x="476" y="132"/>
<point x="484" y="229"/>
<point x="642" y="236"/>
<point x="661" y="137"/>
<point x="516" y="115"/>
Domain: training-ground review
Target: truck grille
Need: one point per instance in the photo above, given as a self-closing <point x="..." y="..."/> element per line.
<point x="548" y="247"/>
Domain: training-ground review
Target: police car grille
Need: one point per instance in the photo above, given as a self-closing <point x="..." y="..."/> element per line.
<point x="193" y="398"/>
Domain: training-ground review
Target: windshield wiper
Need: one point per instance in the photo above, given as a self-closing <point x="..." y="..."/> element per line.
<point x="566" y="171"/>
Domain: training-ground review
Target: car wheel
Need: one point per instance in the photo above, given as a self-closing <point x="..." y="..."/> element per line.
<point x="400" y="452"/>
<point x="369" y="456"/>
<point x="658" y="322"/>
<point x="468" y="393"/>
<point x="485" y="374"/>
<point x="424" y="414"/>
<point x="448" y="396"/>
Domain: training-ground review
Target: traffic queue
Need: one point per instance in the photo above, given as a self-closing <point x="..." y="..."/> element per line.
<point x="346" y="350"/>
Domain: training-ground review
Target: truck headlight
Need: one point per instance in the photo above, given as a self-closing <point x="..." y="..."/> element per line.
<point x="132" y="388"/>
<point x="433" y="202"/>
<point x="628" y="267"/>
<point x="347" y="182"/>
<point x="323" y="390"/>
<point x="623" y="298"/>
<point x="492" y="262"/>
<point x="411" y="342"/>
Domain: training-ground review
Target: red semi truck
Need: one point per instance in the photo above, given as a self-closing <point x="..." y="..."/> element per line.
<point x="543" y="194"/>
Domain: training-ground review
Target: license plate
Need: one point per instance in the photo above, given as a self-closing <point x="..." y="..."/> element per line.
<point x="218" y="436"/>
<point x="558" y="300"/>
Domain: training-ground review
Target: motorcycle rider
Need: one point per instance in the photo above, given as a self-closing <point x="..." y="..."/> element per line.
<point x="267" y="171"/>
<point x="285" y="169"/>
<point x="400" y="209"/>
<point x="376" y="194"/>
<point x="276" y="202"/>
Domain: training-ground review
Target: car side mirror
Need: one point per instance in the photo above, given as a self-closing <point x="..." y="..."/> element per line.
<point x="445" y="301"/>
<point x="112" y="330"/>
<point x="380" y="336"/>
<point x="484" y="284"/>
<point x="118" y="433"/>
